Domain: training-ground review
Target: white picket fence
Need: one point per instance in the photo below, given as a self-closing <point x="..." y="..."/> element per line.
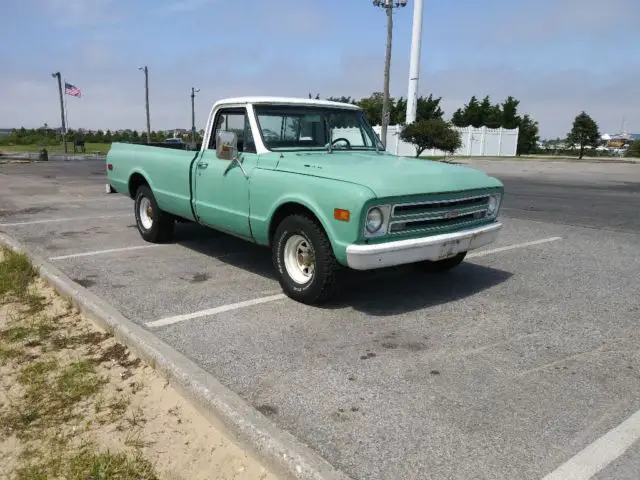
<point x="476" y="142"/>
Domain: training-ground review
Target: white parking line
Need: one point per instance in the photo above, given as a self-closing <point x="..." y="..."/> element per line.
<point x="271" y="298"/>
<point x="600" y="453"/>
<point x="213" y="311"/>
<point x="71" y="200"/>
<point x="513" y="247"/>
<point x="69" y="219"/>
<point x="101" y="252"/>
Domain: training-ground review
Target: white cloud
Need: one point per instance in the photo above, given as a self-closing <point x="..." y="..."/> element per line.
<point x="174" y="6"/>
<point x="113" y="96"/>
<point x="118" y="101"/>
<point x="546" y="21"/>
<point x="79" y="12"/>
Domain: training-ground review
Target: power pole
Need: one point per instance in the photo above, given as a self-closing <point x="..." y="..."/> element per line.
<point x="146" y="95"/>
<point x="62" y="120"/>
<point x="414" y="68"/>
<point x="387" y="71"/>
<point x="388" y="5"/>
<point x="193" y="112"/>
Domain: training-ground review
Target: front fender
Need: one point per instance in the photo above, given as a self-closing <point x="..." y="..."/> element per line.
<point x="270" y="190"/>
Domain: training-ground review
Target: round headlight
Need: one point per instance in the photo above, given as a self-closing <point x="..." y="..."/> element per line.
<point x="493" y="205"/>
<point x="374" y="220"/>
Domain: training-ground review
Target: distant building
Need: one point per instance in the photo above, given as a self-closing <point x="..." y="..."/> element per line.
<point x="4" y="132"/>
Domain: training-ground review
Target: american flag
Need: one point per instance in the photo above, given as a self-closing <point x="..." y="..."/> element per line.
<point x="71" y="90"/>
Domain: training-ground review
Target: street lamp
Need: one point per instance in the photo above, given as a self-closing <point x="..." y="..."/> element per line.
<point x="146" y="96"/>
<point x="193" y="113"/>
<point x="388" y="6"/>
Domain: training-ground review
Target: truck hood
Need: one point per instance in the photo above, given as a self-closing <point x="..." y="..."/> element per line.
<point x="387" y="175"/>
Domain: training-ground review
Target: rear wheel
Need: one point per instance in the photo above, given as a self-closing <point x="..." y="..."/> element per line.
<point x="441" y="265"/>
<point x="302" y="254"/>
<point x="153" y="224"/>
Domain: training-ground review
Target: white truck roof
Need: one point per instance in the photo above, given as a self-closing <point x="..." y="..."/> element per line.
<point x="284" y="100"/>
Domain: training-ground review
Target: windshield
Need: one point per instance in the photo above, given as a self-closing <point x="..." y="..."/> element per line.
<point x="314" y="128"/>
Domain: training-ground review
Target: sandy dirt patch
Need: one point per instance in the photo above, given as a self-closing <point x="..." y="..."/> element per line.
<point x="75" y="404"/>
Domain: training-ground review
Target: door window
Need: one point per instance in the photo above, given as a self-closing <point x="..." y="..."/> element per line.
<point x="234" y="120"/>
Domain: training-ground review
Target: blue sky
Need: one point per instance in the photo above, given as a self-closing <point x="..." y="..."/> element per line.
<point x="557" y="56"/>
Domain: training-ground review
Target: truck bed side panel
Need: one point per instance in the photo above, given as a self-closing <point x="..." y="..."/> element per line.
<point x="165" y="169"/>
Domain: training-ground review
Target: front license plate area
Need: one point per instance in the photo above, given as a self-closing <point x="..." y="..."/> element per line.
<point x="449" y="249"/>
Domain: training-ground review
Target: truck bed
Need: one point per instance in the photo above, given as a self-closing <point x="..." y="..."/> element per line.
<point x="166" y="168"/>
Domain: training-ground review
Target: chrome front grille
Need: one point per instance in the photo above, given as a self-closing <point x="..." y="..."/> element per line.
<point x="436" y="215"/>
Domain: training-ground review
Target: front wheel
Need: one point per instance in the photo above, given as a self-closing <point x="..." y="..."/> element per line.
<point x="153" y="224"/>
<point x="302" y="254"/>
<point x="441" y="265"/>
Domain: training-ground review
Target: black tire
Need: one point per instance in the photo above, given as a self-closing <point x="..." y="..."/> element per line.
<point x="441" y="265"/>
<point x="162" y="223"/>
<point x="324" y="278"/>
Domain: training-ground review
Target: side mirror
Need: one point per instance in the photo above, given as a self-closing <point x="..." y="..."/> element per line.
<point x="226" y="145"/>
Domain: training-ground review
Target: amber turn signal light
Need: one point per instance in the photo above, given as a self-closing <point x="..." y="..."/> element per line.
<point x="340" y="214"/>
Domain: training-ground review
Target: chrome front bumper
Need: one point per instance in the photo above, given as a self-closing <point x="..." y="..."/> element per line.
<point x="436" y="247"/>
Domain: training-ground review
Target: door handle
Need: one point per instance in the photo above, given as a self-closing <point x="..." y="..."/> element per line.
<point x="203" y="164"/>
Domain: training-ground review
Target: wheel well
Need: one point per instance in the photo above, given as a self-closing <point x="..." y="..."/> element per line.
<point x="135" y="182"/>
<point x="286" y="209"/>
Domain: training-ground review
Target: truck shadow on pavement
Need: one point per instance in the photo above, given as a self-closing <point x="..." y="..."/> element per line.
<point x="384" y="292"/>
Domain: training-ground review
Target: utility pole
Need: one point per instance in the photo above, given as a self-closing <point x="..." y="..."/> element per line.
<point x="146" y="94"/>
<point x="414" y="68"/>
<point x="62" y="121"/>
<point x="388" y="5"/>
<point x="193" y="112"/>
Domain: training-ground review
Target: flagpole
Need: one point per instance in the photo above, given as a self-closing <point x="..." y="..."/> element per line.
<point x="66" y="112"/>
<point x="66" y="109"/>
<point x="62" y="119"/>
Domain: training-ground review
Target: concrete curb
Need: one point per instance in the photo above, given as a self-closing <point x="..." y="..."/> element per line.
<point x="282" y="453"/>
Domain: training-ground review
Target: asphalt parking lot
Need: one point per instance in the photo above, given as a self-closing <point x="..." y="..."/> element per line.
<point x="507" y="367"/>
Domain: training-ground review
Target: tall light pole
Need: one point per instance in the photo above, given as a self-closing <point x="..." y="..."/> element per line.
<point x="146" y="96"/>
<point x="62" y="121"/>
<point x="414" y="68"/>
<point x="388" y="6"/>
<point x="193" y="112"/>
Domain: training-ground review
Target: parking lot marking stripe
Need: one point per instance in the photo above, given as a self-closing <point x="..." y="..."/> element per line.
<point x="69" y="219"/>
<point x="213" y="311"/>
<point x="100" y="252"/>
<point x="600" y="453"/>
<point x="513" y="247"/>
<point x="235" y="306"/>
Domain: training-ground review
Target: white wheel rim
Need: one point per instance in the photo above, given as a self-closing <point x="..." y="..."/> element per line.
<point x="299" y="259"/>
<point x="146" y="213"/>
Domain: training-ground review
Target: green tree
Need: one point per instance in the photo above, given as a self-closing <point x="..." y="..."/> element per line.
<point x="431" y="133"/>
<point x="428" y="108"/>
<point x="528" y="136"/>
<point x="490" y="115"/>
<point x="470" y="114"/>
<point x="398" y="111"/>
<point x="372" y="107"/>
<point x="584" y="133"/>
<point x="510" y="118"/>
<point x="633" y="150"/>
<point x="342" y="100"/>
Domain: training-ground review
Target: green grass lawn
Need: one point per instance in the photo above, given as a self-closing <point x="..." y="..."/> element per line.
<point x="89" y="148"/>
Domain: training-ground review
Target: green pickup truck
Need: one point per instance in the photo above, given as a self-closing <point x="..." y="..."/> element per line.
<point x="310" y="180"/>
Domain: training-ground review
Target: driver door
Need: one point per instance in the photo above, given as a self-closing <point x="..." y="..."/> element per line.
<point x="221" y="187"/>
